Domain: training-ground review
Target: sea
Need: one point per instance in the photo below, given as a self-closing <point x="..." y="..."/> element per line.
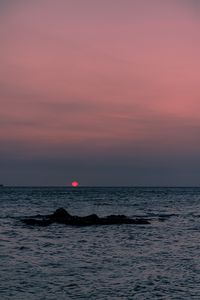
<point x="160" y="260"/>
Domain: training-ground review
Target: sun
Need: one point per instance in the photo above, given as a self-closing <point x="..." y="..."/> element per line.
<point x="75" y="183"/>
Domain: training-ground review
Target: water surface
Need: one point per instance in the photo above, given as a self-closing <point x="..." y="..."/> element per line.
<point x="157" y="261"/>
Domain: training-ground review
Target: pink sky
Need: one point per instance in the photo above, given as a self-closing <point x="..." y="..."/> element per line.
<point x="100" y="79"/>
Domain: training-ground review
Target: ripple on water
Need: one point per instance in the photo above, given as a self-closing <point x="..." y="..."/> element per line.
<point x="160" y="261"/>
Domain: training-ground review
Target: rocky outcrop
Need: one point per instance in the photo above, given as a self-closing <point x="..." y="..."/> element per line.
<point x="61" y="216"/>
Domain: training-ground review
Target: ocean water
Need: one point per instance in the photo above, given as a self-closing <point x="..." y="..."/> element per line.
<point x="156" y="261"/>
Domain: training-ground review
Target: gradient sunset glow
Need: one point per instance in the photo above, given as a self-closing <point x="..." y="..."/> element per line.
<point x="108" y="91"/>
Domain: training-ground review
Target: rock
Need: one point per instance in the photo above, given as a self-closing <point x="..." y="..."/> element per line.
<point x="42" y="222"/>
<point x="61" y="216"/>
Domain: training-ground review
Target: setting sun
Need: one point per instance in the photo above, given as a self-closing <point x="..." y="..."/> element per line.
<point x="75" y="183"/>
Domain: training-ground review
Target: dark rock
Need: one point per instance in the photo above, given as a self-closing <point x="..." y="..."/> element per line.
<point x="42" y="222"/>
<point x="63" y="217"/>
<point x="60" y="216"/>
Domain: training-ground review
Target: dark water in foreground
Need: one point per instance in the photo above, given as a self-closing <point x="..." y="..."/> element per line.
<point x="157" y="261"/>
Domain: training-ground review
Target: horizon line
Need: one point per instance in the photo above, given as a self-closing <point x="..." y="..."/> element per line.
<point x="99" y="186"/>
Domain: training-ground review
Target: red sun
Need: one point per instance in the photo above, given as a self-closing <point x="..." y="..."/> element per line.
<point x="75" y="183"/>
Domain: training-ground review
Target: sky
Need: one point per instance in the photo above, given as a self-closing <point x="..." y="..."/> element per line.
<point x="104" y="92"/>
